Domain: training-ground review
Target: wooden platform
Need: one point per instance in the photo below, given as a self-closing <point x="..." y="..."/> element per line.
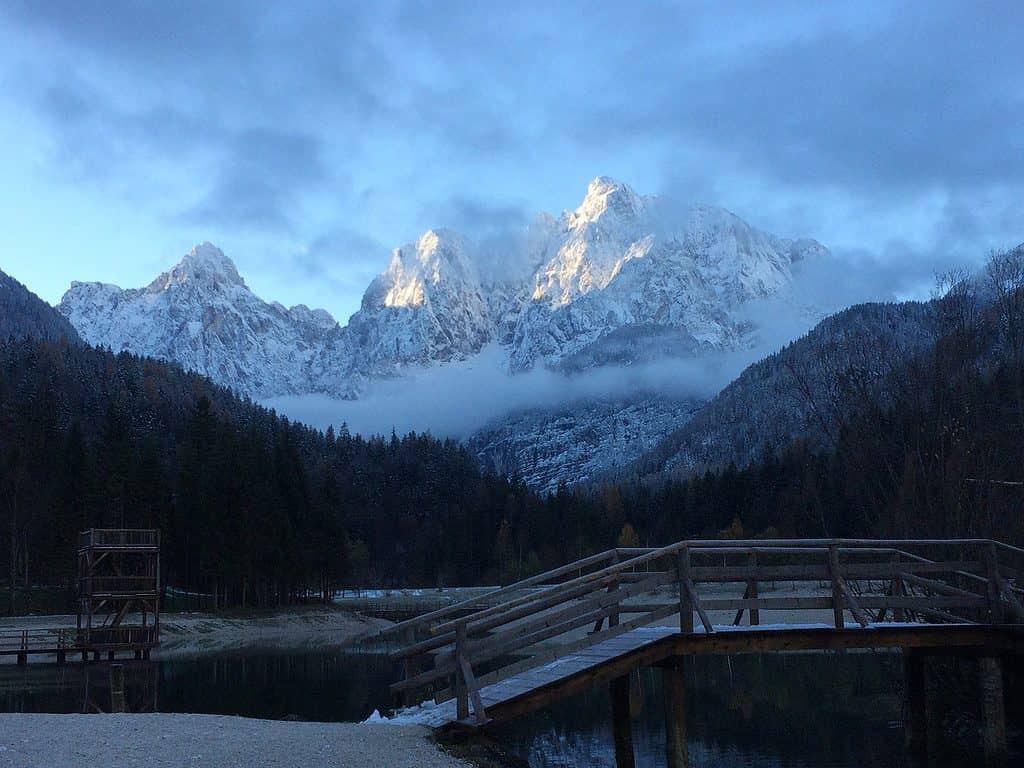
<point x="595" y="621"/>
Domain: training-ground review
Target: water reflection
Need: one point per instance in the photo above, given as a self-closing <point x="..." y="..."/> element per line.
<point x="327" y="687"/>
<point x="770" y="711"/>
<point x="799" y="710"/>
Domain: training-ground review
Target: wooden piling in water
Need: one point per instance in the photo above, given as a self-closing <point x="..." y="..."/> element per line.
<point x="916" y="726"/>
<point x="990" y="674"/>
<point x="673" y="683"/>
<point x="622" y="725"/>
<point x="116" y="688"/>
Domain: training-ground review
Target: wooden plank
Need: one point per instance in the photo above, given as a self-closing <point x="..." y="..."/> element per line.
<point x="528" y="633"/>
<point x="473" y="688"/>
<point x="837" y="591"/>
<point x="568" y="649"/>
<point x="685" y="603"/>
<point x="739" y="613"/>
<point x="875" y="571"/>
<point x="937" y="586"/>
<point x="755" y="616"/>
<point x="708" y="627"/>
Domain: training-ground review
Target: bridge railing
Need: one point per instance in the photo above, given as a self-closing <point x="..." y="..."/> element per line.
<point x="829" y="582"/>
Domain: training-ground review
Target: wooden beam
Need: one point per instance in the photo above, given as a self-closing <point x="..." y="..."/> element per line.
<point x="916" y="725"/>
<point x="993" y="711"/>
<point x="739" y="613"/>
<point x="683" y="578"/>
<point x="755" y="616"/>
<point x="837" y="592"/>
<point x="469" y="683"/>
<point x="673" y="684"/>
<point x="567" y="649"/>
<point x="622" y="725"/>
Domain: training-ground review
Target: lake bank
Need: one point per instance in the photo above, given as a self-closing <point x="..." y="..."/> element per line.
<point x="197" y="633"/>
<point x="175" y="740"/>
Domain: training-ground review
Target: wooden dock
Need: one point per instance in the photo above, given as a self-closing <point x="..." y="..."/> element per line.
<point x="598" y="620"/>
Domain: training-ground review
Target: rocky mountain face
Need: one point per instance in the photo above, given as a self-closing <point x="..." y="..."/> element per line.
<point x="623" y="278"/>
<point x="580" y="441"/>
<point x="23" y="314"/>
<point x="201" y="314"/>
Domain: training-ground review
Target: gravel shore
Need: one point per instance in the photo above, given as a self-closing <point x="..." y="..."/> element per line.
<point x="211" y="741"/>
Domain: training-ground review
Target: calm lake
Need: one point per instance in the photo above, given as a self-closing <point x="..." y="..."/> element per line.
<point x="815" y="710"/>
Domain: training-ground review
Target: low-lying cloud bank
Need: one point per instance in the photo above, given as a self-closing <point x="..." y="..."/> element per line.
<point x="457" y="399"/>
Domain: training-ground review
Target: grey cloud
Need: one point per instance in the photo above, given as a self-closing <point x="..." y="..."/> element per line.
<point x="919" y="99"/>
<point x="258" y="179"/>
<point x="344" y="258"/>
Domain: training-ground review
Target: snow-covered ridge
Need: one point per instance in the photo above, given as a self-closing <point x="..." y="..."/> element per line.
<point x="622" y="278"/>
<point x="200" y="313"/>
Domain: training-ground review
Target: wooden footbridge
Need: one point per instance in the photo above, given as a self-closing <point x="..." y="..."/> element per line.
<point x="598" y="620"/>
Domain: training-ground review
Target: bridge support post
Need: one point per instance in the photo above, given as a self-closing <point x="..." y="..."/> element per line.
<point x="990" y="674"/>
<point x="622" y="725"/>
<point x="673" y="683"/>
<point x="916" y="707"/>
<point x="685" y="604"/>
<point x="116" y="688"/>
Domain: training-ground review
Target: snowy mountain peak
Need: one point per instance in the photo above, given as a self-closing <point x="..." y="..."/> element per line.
<point x="204" y="263"/>
<point x="624" y="277"/>
<point x="606" y="196"/>
<point x="438" y="259"/>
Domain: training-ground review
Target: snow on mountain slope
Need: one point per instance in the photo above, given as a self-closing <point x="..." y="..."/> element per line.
<point x="580" y="441"/>
<point x="201" y="314"/>
<point x="428" y="306"/>
<point x="621" y="260"/>
<point x="622" y="279"/>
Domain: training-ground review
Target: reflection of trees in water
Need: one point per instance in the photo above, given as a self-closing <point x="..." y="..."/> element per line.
<point x="83" y="688"/>
<point x="311" y="686"/>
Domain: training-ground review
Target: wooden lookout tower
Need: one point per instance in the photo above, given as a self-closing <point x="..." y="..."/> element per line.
<point x="118" y="591"/>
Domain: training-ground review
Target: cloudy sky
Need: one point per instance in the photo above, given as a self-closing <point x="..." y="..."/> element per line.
<point x="308" y="139"/>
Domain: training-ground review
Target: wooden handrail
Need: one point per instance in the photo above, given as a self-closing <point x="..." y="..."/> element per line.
<point x="473" y="601"/>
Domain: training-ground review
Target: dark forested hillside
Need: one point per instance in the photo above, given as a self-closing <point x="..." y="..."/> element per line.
<point x="933" y="444"/>
<point x="23" y="314"/>
<point x="252" y="506"/>
<point x="805" y="390"/>
<point x="258" y="510"/>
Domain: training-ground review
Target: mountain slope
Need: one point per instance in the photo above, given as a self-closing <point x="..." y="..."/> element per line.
<point x="807" y="390"/>
<point x="569" y="291"/>
<point x="201" y="314"/>
<point x="620" y="280"/>
<point x="23" y="314"/>
<point x="579" y="442"/>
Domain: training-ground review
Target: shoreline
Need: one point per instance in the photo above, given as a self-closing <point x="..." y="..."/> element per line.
<point x="212" y="741"/>
<point x="190" y="634"/>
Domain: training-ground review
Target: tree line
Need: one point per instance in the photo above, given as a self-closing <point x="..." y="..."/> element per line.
<point x="256" y="510"/>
